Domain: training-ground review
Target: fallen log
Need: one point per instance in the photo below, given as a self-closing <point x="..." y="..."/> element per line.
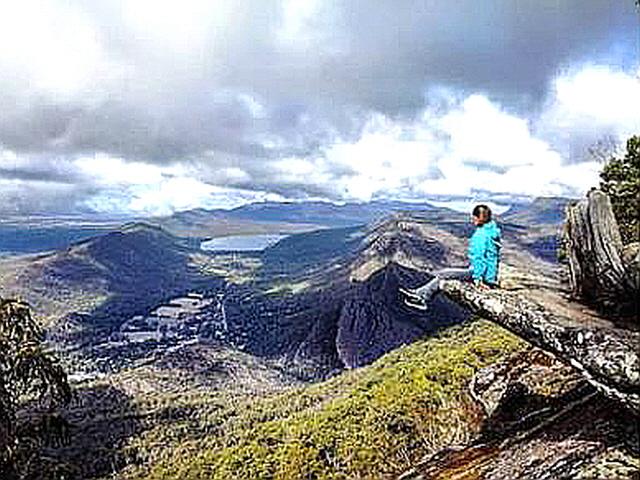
<point x="607" y="357"/>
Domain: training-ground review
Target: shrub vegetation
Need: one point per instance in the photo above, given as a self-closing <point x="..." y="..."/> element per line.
<point x="32" y="385"/>
<point x="620" y="179"/>
<point x="371" y="422"/>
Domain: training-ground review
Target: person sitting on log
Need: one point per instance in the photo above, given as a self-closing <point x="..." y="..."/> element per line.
<point x="484" y="259"/>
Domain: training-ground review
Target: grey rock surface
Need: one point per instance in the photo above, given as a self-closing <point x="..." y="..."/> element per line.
<point x="608" y="357"/>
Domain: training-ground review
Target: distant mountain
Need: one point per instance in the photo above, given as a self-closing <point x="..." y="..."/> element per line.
<point x="329" y="298"/>
<point x="294" y="217"/>
<point x="282" y="217"/>
<point x="105" y="279"/>
<point x="36" y="235"/>
<point x="311" y="306"/>
<point x="326" y="213"/>
<point x="543" y="210"/>
<point x="217" y="223"/>
<point x="329" y="323"/>
<point x="538" y="225"/>
<point x="314" y="305"/>
<point x="363" y="316"/>
<point x="33" y="237"/>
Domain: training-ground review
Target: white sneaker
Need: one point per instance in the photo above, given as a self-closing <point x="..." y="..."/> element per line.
<point x="411" y="294"/>
<point x="417" y="305"/>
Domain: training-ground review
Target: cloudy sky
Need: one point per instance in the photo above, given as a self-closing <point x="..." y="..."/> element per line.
<point x="152" y="106"/>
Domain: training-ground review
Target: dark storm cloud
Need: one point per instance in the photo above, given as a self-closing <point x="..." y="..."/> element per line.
<point x="36" y="175"/>
<point x="352" y="58"/>
<point x="233" y="88"/>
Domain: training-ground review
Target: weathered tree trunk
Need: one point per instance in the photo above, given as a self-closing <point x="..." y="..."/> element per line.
<point x="598" y="272"/>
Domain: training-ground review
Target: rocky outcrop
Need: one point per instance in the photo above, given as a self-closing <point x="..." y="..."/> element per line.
<point x="373" y="320"/>
<point x="608" y="357"/>
<point x="602" y="271"/>
<point x="534" y="371"/>
<point x="398" y="251"/>
<point x="408" y="241"/>
<point x="543" y="421"/>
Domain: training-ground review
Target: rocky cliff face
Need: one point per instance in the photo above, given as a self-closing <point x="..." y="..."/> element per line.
<point x="373" y="320"/>
<point x="568" y="409"/>
<point x="347" y="315"/>
<point x="352" y="314"/>
<point x="353" y="324"/>
<point x="571" y="407"/>
<point x="543" y="421"/>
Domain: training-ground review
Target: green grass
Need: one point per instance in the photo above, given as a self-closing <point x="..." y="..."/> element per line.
<point x="373" y="422"/>
<point x="290" y="288"/>
<point x="234" y="268"/>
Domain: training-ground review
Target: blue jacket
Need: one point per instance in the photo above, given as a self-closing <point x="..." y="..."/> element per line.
<point x="484" y="252"/>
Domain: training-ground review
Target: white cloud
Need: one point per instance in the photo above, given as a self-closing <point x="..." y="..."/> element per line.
<point x="234" y="174"/>
<point x="182" y="26"/>
<point x="587" y="105"/>
<point x="597" y="96"/>
<point x="305" y="24"/>
<point x="466" y="206"/>
<point x="52" y="49"/>
<point x="467" y="145"/>
<point x="462" y="145"/>
<point x="146" y="189"/>
<point x="479" y="131"/>
<point x="107" y="170"/>
<point x="296" y="20"/>
<point x="384" y="158"/>
<point x="474" y="146"/>
<point x="256" y="109"/>
<point x="9" y="159"/>
<point x="169" y="195"/>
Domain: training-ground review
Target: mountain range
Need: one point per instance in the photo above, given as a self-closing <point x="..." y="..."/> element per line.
<point x="40" y="234"/>
<point x="142" y="316"/>
<point x="277" y="302"/>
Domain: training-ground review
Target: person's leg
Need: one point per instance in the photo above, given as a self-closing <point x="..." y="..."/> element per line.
<point x="429" y="289"/>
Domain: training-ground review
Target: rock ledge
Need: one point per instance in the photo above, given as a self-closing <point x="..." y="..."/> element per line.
<point x="607" y="357"/>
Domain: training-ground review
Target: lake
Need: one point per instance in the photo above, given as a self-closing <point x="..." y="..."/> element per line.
<point x="242" y="243"/>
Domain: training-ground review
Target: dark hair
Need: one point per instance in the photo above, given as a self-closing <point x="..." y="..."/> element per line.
<point x="483" y="213"/>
